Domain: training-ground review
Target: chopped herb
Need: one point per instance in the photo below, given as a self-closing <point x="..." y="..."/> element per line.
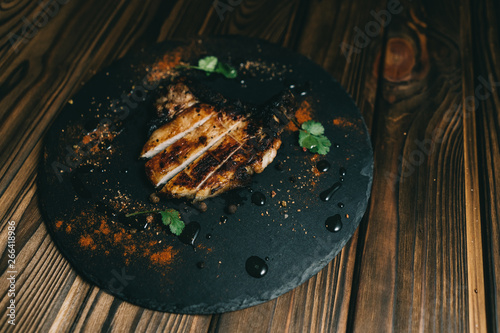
<point x="311" y="136"/>
<point x="169" y="217"/>
<point x="211" y="64"/>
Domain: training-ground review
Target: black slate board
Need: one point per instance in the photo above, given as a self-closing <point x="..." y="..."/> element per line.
<point x="156" y="269"/>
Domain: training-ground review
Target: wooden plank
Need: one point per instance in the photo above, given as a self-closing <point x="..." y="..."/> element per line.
<point x="486" y="50"/>
<point x="475" y="273"/>
<point x="414" y="262"/>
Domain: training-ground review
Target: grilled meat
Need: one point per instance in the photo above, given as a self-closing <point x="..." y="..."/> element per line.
<point x="209" y="145"/>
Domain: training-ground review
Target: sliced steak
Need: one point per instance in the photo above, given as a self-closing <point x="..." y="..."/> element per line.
<point x="212" y="146"/>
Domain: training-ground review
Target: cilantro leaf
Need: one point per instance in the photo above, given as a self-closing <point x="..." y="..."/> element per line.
<point x="226" y="70"/>
<point x="169" y="217"/>
<point x="307" y="140"/>
<point x="311" y="137"/>
<point x="313" y="127"/>
<point x="323" y="146"/>
<point x="208" y="64"/>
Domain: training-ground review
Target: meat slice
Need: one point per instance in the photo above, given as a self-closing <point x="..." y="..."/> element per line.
<point x="213" y="146"/>
<point x="182" y="152"/>
<point x="174" y="130"/>
<point x="201" y="169"/>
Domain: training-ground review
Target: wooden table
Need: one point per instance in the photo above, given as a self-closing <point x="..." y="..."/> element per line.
<point x="426" y="76"/>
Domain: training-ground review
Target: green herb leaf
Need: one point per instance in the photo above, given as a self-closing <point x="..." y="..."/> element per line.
<point x="311" y="137"/>
<point x="172" y="219"/>
<point x="226" y="70"/>
<point x="313" y="127"/>
<point x="211" y="64"/>
<point x="208" y="64"/>
<point x="169" y="217"/>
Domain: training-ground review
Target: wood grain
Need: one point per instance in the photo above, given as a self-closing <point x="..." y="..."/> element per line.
<point x="475" y="271"/>
<point x="486" y="90"/>
<point x="414" y="262"/>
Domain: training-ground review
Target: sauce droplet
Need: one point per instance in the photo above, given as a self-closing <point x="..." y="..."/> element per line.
<point x="256" y="267"/>
<point x="223" y="219"/>
<point x="340" y="204"/>
<point x="327" y="194"/>
<point x="334" y="223"/>
<point x="258" y="199"/>
<point x="342" y="172"/>
<point x="190" y="233"/>
<point x="336" y="145"/>
<point x="208" y="236"/>
<point x="323" y="166"/>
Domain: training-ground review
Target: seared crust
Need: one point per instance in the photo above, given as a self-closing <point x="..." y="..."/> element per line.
<point x="208" y="148"/>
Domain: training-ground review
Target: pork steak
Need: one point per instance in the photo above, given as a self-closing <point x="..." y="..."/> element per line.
<point x="208" y="145"/>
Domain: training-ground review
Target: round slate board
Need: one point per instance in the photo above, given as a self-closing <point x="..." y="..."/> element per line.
<point x="91" y="177"/>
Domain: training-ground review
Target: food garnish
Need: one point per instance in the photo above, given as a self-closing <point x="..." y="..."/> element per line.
<point x="169" y="217"/>
<point x="211" y="64"/>
<point x="311" y="137"/>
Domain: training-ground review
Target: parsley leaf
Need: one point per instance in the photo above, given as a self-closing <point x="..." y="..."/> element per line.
<point x="313" y="127"/>
<point x="169" y="217"/>
<point x="311" y="137"/>
<point x="210" y="64"/>
<point x="172" y="219"/>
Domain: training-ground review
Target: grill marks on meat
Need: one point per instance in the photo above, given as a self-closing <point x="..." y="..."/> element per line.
<point x="185" y="122"/>
<point x="185" y="150"/>
<point x="208" y="148"/>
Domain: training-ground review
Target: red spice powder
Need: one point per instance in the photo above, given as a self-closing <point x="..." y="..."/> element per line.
<point x="203" y="247"/>
<point x="303" y="114"/>
<point x="165" y="66"/>
<point x="68" y="228"/>
<point x="343" y="122"/>
<point x="129" y="249"/>
<point x="164" y="257"/>
<point x="104" y="229"/>
<point x="118" y="237"/>
<point x="87" y="241"/>
<point x="59" y="224"/>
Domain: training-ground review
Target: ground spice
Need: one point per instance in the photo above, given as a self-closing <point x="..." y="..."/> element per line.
<point x="129" y="249"/>
<point x="118" y="237"/>
<point x="87" y="241"/>
<point x="164" y="257"/>
<point x="166" y="66"/>
<point x="343" y="122"/>
<point x="59" y="224"/>
<point x="303" y="114"/>
<point x="68" y="228"/>
<point x="104" y="229"/>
